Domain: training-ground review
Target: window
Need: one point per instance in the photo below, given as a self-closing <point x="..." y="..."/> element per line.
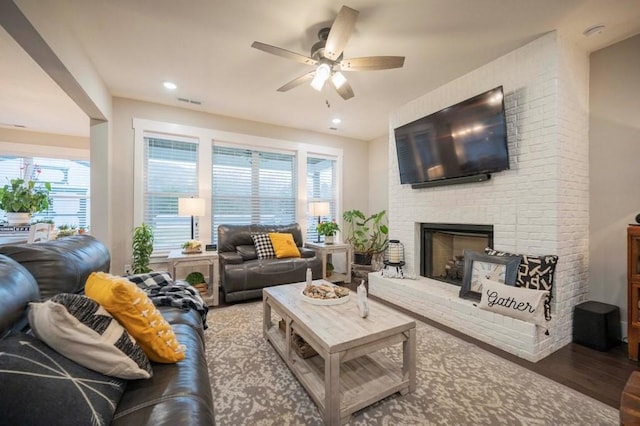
<point x="170" y="172"/>
<point x="244" y="178"/>
<point x="70" y="182"/>
<point x="251" y="186"/>
<point x="321" y="186"/>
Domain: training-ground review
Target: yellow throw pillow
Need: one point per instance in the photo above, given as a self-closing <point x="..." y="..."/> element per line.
<point x="283" y="245"/>
<point x="136" y="313"/>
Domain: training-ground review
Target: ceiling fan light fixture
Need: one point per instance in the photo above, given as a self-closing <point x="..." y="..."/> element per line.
<point x="317" y="83"/>
<point x="322" y="74"/>
<point x="338" y="79"/>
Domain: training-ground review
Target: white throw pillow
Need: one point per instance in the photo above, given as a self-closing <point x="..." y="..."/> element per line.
<point x="83" y="331"/>
<point x="516" y="302"/>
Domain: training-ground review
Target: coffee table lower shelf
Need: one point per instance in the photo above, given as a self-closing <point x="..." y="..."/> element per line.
<point x="363" y="380"/>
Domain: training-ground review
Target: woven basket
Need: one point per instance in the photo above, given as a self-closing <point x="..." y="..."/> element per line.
<point x="302" y="348"/>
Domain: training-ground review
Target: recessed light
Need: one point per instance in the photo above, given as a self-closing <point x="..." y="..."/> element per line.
<point x="593" y="30"/>
<point x="336" y="121"/>
<point x="169" y="85"/>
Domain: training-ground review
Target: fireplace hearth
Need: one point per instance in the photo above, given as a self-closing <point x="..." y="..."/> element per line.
<point x="443" y="246"/>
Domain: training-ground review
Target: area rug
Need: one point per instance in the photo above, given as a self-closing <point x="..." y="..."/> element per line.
<point x="458" y="384"/>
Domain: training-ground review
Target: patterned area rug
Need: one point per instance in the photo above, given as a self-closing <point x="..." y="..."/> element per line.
<point x="458" y="383"/>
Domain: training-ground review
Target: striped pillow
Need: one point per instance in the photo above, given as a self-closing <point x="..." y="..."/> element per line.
<point x="83" y="331"/>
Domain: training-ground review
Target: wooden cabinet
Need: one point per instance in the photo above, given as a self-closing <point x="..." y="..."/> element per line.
<point x="633" y="289"/>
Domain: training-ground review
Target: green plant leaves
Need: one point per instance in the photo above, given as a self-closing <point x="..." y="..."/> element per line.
<point x="142" y="248"/>
<point x="367" y="235"/>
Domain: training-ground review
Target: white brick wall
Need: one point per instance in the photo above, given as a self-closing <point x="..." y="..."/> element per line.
<point x="540" y="205"/>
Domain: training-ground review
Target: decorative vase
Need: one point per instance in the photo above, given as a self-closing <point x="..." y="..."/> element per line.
<point x="328" y="239"/>
<point x="18" y="218"/>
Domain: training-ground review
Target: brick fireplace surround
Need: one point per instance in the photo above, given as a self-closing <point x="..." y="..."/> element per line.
<point x="539" y="206"/>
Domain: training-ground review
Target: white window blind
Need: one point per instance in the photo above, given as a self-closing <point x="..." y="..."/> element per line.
<point x="70" y="184"/>
<point x="251" y="186"/>
<point x="321" y="186"/>
<point x="170" y="172"/>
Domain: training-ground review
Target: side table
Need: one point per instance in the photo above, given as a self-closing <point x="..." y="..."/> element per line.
<point x="324" y="250"/>
<point x="177" y="258"/>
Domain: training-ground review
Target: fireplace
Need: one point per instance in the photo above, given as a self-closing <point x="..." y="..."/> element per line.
<point x="442" y="248"/>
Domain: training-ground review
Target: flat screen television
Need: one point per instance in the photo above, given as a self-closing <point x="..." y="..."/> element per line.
<point x="457" y="144"/>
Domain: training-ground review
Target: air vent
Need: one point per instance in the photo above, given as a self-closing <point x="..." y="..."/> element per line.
<point x="333" y="128"/>
<point x="190" y="101"/>
<point x="19" y="126"/>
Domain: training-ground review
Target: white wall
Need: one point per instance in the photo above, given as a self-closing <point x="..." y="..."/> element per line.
<point x="355" y="194"/>
<point x="378" y="174"/>
<point x="614" y="136"/>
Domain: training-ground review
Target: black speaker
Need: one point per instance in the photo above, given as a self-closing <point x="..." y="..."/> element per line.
<point x="596" y="325"/>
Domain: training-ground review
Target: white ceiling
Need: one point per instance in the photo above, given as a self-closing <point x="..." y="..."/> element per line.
<point x="204" y="46"/>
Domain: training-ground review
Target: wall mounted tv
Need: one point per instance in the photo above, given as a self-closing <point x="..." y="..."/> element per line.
<point x="465" y="142"/>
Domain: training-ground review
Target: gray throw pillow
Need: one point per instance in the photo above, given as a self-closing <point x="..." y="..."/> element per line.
<point x="41" y="387"/>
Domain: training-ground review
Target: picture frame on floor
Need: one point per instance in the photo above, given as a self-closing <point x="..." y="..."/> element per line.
<point x="478" y="265"/>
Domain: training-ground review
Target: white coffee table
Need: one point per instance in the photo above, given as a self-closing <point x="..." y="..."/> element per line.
<point x="348" y="373"/>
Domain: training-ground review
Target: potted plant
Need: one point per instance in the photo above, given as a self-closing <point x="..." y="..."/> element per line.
<point x="192" y="246"/>
<point x="66" y="231"/>
<point x="367" y="235"/>
<point x="142" y="248"/>
<point x="25" y="199"/>
<point x="196" y="280"/>
<point x="330" y="269"/>
<point x="328" y="229"/>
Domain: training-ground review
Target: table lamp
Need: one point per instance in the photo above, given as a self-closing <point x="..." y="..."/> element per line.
<point x="191" y="207"/>
<point x="319" y="208"/>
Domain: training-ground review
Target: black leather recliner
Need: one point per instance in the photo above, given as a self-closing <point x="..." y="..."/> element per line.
<point x="243" y="275"/>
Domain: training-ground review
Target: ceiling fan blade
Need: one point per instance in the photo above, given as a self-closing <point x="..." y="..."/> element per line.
<point x="340" y="32"/>
<point x="284" y="53"/>
<point x="297" y="82"/>
<point x="371" y="63"/>
<point x="344" y="90"/>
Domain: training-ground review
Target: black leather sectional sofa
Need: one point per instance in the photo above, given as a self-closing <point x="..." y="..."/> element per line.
<point x="178" y="393"/>
<point x="243" y="275"/>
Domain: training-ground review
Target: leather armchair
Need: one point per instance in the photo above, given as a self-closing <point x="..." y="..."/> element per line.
<point x="243" y="275"/>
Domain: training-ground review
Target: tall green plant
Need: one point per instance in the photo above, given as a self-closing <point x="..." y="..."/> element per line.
<point x="367" y="235"/>
<point x="142" y="248"/>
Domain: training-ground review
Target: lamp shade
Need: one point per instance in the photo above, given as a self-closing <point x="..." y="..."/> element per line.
<point x="191" y="207"/>
<point x="319" y="208"/>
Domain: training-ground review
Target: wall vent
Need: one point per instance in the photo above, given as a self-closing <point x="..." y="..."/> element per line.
<point x="190" y="101"/>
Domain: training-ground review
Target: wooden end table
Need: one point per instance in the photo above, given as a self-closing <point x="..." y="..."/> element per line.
<point x="324" y="250"/>
<point x="177" y="258"/>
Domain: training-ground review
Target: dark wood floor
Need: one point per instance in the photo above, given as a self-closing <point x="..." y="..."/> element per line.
<point x="601" y="375"/>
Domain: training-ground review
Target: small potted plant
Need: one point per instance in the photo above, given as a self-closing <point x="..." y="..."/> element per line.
<point x="328" y="229"/>
<point x="66" y="231"/>
<point x="330" y="269"/>
<point x="196" y="280"/>
<point x="20" y="199"/>
<point x="192" y="246"/>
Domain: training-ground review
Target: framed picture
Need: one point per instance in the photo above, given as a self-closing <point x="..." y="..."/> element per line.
<point x="477" y="266"/>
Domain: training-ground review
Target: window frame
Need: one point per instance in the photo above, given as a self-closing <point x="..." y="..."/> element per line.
<point x="49" y="151"/>
<point x="207" y="138"/>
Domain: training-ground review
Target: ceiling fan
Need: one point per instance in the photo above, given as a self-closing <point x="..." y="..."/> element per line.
<point x="327" y="57"/>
